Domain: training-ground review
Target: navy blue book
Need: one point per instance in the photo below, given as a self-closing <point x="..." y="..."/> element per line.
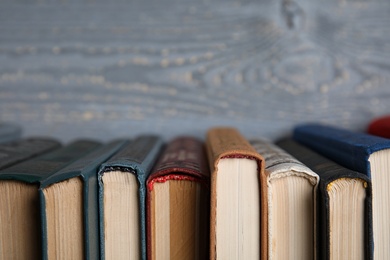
<point x="122" y="198"/>
<point x="69" y="207"/>
<point x="364" y="153"/>
<point x="20" y="223"/>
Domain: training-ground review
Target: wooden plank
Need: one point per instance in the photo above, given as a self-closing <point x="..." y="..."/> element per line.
<point x="72" y="69"/>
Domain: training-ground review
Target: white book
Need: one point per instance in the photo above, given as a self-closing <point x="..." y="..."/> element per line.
<point x="288" y="204"/>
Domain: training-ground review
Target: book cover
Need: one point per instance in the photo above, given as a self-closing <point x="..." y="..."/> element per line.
<point x="122" y="197"/>
<point x="235" y="169"/>
<point x="22" y="149"/>
<point x="19" y="185"/>
<point x="63" y="237"/>
<point x="289" y="189"/>
<point x="355" y="225"/>
<point x="347" y="148"/>
<point x="178" y="202"/>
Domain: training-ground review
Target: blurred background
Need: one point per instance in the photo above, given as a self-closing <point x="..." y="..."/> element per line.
<point x="108" y="69"/>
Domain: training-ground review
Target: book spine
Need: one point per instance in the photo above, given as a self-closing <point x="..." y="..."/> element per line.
<point x="276" y="158"/>
<point x="184" y="158"/>
<point x="184" y="153"/>
<point x="278" y="163"/>
<point x="15" y="152"/>
<point x="38" y="169"/>
<point x="150" y="146"/>
<point x="138" y="157"/>
<point x="226" y="143"/>
<point x="44" y="242"/>
<point x="330" y="171"/>
<point x="91" y="219"/>
<point x="90" y="197"/>
<point x="324" y="213"/>
<point x="347" y="148"/>
<point x="52" y="163"/>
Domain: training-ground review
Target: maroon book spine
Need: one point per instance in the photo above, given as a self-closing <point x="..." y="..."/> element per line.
<point x="184" y="158"/>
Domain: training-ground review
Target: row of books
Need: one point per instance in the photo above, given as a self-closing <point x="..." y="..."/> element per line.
<point x="321" y="193"/>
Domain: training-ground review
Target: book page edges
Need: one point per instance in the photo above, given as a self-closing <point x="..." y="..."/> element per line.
<point x="235" y="146"/>
<point x="282" y="171"/>
<point x="292" y="169"/>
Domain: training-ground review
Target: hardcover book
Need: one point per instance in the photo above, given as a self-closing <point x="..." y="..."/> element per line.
<point x="17" y="151"/>
<point x="235" y="195"/>
<point x="360" y="152"/>
<point x="178" y="202"/>
<point x="122" y="198"/>
<point x="344" y="206"/>
<point x="289" y="188"/>
<point x="69" y="207"/>
<point x="20" y="223"/>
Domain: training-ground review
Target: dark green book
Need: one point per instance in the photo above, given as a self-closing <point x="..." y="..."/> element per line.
<point x="344" y="206"/>
<point x="69" y="207"/>
<point x="20" y="224"/>
<point x="122" y="198"/>
<point x="22" y="149"/>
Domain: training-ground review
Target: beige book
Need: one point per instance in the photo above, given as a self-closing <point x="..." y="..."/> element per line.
<point x="290" y="202"/>
<point x="235" y="195"/>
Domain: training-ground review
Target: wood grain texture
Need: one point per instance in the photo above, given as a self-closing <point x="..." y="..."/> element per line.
<point x="70" y="69"/>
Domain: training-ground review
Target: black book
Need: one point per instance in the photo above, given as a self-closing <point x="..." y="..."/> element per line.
<point x="344" y="206"/>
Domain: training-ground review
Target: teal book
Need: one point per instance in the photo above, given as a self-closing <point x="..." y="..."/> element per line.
<point x="122" y="198"/>
<point x="363" y="153"/>
<point x="9" y="132"/>
<point x="23" y="149"/>
<point x="20" y="223"/>
<point x="69" y="207"/>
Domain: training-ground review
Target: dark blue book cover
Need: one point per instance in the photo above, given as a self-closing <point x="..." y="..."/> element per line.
<point x="136" y="158"/>
<point x="350" y="149"/>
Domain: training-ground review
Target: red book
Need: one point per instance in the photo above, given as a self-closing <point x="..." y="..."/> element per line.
<point x="178" y="202"/>
<point x="380" y="127"/>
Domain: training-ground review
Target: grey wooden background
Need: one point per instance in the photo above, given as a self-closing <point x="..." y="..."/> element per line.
<point x="107" y="69"/>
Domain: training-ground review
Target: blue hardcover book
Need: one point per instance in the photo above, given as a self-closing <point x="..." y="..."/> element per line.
<point x="20" y="223"/>
<point x="363" y="153"/>
<point x="69" y="207"/>
<point x="122" y="198"/>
